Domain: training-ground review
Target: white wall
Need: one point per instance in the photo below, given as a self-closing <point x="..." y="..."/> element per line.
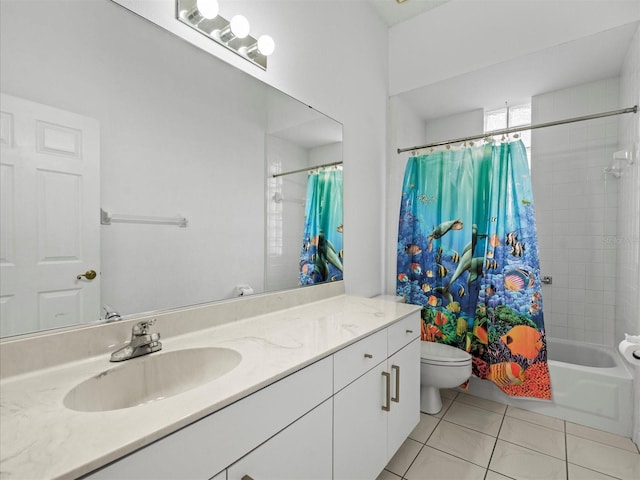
<point x="628" y="235"/>
<point x="576" y="207"/>
<point x="455" y="126"/>
<point x="343" y="75"/>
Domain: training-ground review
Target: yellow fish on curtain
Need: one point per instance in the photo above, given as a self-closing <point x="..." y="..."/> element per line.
<point x="467" y="252"/>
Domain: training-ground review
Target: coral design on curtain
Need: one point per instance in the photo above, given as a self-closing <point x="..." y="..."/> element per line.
<point x="467" y="252"/>
<point x="321" y="254"/>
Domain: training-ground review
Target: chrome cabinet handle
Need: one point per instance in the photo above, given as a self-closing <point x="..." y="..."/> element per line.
<point x="89" y="275"/>
<point x="397" y="370"/>
<point x="387" y="406"/>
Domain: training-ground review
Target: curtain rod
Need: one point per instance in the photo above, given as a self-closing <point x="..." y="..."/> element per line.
<point x="506" y="131"/>
<point x="306" y="169"/>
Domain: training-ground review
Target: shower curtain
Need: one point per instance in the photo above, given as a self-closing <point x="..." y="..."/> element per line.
<point x="467" y="252"/>
<point x="321" y="254"/>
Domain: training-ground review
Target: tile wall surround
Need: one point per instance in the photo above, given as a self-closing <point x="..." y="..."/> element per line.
<point x="628" y="240"/>
<point x="26" y="353"/>
<point x="285" y="207"/>
<point x="576" y="210"/>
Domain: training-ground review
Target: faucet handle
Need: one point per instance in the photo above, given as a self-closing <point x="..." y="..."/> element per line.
<point x="142" y="328"/>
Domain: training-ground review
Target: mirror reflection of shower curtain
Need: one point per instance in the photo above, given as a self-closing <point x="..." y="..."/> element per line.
<point x="322" y="253"/>
<point x="467" y="252"/>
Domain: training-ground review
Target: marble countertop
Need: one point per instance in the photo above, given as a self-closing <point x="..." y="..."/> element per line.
<point x="41" y="438"/>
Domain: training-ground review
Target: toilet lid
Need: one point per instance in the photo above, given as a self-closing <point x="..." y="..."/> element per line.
<point x="438" y="352"/>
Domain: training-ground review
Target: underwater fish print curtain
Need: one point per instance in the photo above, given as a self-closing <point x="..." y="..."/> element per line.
<point x="321" y="254"/>
<point x="467" y="252"/>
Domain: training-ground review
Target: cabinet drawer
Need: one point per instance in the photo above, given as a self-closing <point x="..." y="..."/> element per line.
<point x="402" y="332"/>
<point x="357" y="359"/>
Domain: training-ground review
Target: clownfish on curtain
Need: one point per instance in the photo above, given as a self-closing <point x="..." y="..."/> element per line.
<point x="467" y="252"/>
<point x="321" y="254"/>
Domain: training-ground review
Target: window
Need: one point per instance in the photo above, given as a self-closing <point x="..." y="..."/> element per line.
<point x="508" y="117"/>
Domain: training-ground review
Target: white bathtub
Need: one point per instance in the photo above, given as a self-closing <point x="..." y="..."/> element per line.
<point x="590" y="385"/>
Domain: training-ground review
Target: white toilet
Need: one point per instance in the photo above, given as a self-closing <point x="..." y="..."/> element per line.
<point x="441" y="366"/>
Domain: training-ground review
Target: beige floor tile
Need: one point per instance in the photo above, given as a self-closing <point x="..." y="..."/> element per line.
<point x="524" y="464"/>
<point x="432" y="464"/>
<point x="603" y="458"/>
<point x="474" y="418"/>
<point x="425" y="428"/>
<point x="406" y="454"/>
<point x="387" y="475"/>
<point x="490" y="405"/>
<point x="536" y="418"/>
<point x="529" y="435"/>
<point x="495" y="476"/>
<point x="601" y="437"/>
<point x="448" y="393"/>
<point x="475" y="447"/>
<point x="446" y="403"/>
<point x="579" y="473"/>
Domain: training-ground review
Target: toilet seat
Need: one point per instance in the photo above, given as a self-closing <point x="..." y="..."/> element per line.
<point x="445" y="355"/>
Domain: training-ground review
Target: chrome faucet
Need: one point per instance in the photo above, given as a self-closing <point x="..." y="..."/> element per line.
<point x="142" y="342"/>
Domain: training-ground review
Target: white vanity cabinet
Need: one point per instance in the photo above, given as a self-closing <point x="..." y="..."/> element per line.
<point x="375" y="413"/>
<point x="324" y="421"/>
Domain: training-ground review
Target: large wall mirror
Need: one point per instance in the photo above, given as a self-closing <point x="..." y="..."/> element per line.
<point x="109" y="118"/>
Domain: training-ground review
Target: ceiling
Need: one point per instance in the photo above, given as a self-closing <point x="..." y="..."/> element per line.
<point x="392" y="12"/>
<point x="585" y="60"/>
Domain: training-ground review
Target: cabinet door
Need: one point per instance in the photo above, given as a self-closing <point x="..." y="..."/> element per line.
<point x="405" y="390"/>
<point x="300" y="451"/>
<point x="360" y="427"/>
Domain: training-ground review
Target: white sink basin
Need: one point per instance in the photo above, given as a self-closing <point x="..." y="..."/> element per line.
<point x="151" y="378"/>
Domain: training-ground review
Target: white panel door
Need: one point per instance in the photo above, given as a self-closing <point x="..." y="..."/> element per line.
<point x="50" y="231"/>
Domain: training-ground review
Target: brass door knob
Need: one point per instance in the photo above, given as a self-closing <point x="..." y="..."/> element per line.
<point x="89" y="275"/>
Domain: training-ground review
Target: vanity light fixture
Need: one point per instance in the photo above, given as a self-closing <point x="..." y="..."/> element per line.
<point x="238" y="28"/>
<point x="203" y="16"/>
<point x="208" y="8"/>
<point x="265" y="46"/>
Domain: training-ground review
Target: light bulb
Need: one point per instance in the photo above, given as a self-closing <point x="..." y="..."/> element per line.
<point x="266" y="45"/>
<point x="239" y="26"/>
<point x="208" y="8"/>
